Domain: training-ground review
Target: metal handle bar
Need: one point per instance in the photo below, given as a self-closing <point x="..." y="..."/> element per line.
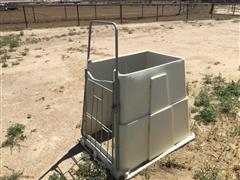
<point x="116" y="40"/>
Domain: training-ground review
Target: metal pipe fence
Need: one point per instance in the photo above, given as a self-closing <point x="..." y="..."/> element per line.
<point x="54" y="15"/>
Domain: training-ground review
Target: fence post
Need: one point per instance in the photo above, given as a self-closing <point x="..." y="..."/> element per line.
<point x="157" y="13"/>
<point x="78" y="16"/>
<point x="95" y="11"/>
<point x="121" y="18"/>
<point x="25" y="17"/>
<point x="33" y="12"/>
<point x="211" y="11"/>
<point x="187" y="11"/>
<point x="65" y="12"/>
<point x="180" y="7"/>
<point x="162" y="9"/>
<point x="142" y="11"/>
<point x="234" y="8"/>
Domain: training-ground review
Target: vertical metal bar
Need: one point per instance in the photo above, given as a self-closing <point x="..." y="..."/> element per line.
<point x="142" y="11"/>
<point x="96" y="125"/>
<point x="92" y="108"/>
<point x="25" y="17"/>
<point x="157" y="13"/>
<point x="187" y="11"/>
<point x="180" y="7"/>
<point x="121" y="17"/>
<point x="33" y="12"/>
<point x="234" y="8"/>
<point x="212" y="9"/>
<point x="101" y="136"/>
<point x="162" y="9"/>
<point x="89" y="41"/>
<point x="78" y="15"/>
<point x="65" y="12"/>
<point x="95" y="11"/>
<point x="85" y="108"/>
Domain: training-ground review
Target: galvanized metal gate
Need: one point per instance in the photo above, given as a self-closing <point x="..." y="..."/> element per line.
<point x="100" y="106"/>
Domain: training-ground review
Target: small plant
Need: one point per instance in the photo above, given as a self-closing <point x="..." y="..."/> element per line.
<point x="4" y="56"/>
<point x="236" y="169"/>
<point x="13" y="176"/>
<point x="194" y="110"/>
<point x="207" y="173"/>
<point x="15" y="133"/>
<point x="218" y="83"/>
<point x="206" y="115"/>
<point x="12" y="40"/>
<point x="56" y="176"/>
<point x="126" y="29"/>
<point x="72" y="32"/>
<point x="4" y="65"/>
<point x="89" y="169"/>
<point x="146" y="173"/>
<point x="78" y="126"/>
<point x="21" y="33"/>
<point x="207" y="79"/>
<point x="203" y="99"/>
<point x="212" y="134"/>
<point x="229" y="105"/>
<point x="25" y="52"/>
<point x="236" y="130"/>
<point x="228" y="95"/>
<point x="33" y="40"/>
<point x="216" y="63"/>
<point x="188" y="88"/>
<point x="171" y="162"/>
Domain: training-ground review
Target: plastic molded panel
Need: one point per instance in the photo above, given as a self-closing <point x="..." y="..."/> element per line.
<point x="160" y="132"/>
<point x="180" y="120"/>
<point x="159" y="93"/>
<point x="135" y="89"/>
<point x="133" y="143"/>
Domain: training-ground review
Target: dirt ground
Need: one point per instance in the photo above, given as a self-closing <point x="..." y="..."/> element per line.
<point x="45" y="91"/>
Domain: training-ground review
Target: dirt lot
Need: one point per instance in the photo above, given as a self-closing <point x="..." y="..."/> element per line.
<point x="45" y="90"/>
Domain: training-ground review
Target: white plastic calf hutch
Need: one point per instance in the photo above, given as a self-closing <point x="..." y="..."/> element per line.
<point x="135" y="108"/>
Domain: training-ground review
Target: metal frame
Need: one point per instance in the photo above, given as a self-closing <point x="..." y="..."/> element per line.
<point x="104" y="153"/>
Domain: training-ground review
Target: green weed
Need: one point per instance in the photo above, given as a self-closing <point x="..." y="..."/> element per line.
<point x="207" y="79"/>
<point x="127" y="30"/>
<point x="21" y="33"/>
<point x="13" y="176"/>
<point x="15" y="133"/>
<point x="207" y="172"/>
<point x="56" y="176"/>
<point x="11" y="40"/>
<point x="24" y="52"/>
<point x="33" y="40"/>
<point x="203" y="99"/>
<point x="236" y="130"/>
<point x="90" y="169"/>
<point x="188" y="88"/>
<point x="146" y="173"/>
<point x="194" y="110"/>
<point x="206" y="115"/>
<point x="4" y="56"/>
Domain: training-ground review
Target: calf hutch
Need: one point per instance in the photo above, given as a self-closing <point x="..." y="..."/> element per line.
<point x="135" y="108"/>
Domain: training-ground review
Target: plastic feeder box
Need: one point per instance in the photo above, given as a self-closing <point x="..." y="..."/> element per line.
<point x="135" y="109"/>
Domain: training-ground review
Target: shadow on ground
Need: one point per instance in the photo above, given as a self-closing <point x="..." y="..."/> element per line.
<point x="70" y="155"/>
